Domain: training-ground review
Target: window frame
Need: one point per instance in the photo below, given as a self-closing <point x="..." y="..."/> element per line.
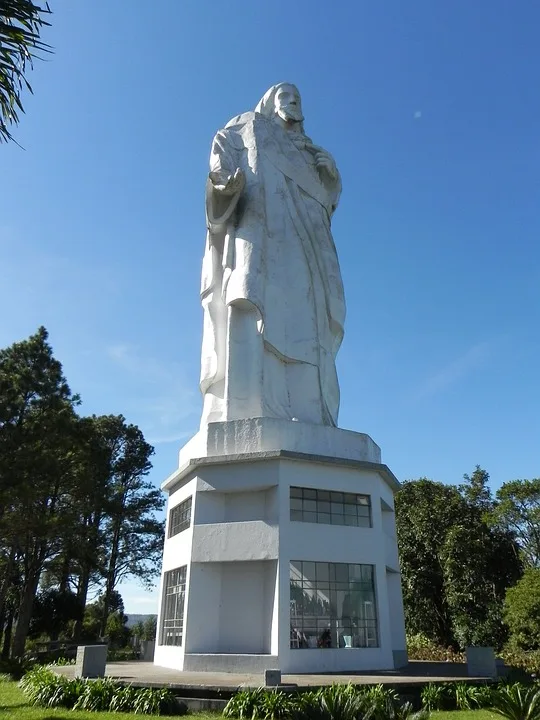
<point x="317" y="613"/>
<point x="171" y="632"/>
<point x="323" y="507"/>
<point x="179" y="524"/>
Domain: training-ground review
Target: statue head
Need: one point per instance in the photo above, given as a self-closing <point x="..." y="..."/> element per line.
<point x="282" y="100"/>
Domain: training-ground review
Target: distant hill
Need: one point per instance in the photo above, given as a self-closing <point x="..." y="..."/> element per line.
<point x="134" y="619"/>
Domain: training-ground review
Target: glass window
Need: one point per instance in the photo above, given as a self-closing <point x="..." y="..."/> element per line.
<point x="180" y="517"/>
<point x="172" y="618"/>
<point x="333" y="605"/>
<point x="329" y="507"/>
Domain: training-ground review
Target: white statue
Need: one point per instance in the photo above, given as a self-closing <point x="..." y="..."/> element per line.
<point x="271" y="289"/>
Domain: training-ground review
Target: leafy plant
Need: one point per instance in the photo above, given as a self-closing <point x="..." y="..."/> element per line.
<point x="435" y="697"/>
<point x="276" y="705"/>
<point x="394" y="710"/>
<point x="336" y="702"/>
<point x="157" y="701"/>
<point x="123" y="699"/>
<point x="517" y="702"/>
<point x="375" y="700"/>
<point x="245" y="704"/>
<point x="96" y="695"/>
<point x="22" y="21"/>
<point x="39" y="685"/>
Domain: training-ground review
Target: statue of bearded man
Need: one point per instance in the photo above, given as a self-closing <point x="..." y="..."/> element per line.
<point x="271" y="288"/>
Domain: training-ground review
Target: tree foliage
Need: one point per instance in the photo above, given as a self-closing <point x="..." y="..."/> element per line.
<point x="518" y="510"/>
<point x="21" y="22"/>
<point x="76" y="509"/>
<point x="522" y="611"/>
<point x="455" y="566"/>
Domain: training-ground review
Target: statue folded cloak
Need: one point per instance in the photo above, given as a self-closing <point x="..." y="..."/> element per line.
<point x="271" y="287"/>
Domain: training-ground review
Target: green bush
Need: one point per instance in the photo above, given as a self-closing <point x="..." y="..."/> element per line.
<point x="124" y="699"/>
<point x="528" y="662"/>
<point x="437" y="697"/>
<point x="334" y="702"/>
<point x="96" y="695"/>
<point x="420" y="647"/>
<point x="471" y="697"/>
<point x="46" y="689"/>
<point x="157" y="701"/>
<point x="122" y="654"/>
<point x="517" y="702"/>
<point x="245" y="704"/>
<point x="522" y="611"/>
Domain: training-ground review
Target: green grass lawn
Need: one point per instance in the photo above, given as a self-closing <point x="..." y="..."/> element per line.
<point x="14" y="705"/>
<point x="465" y="715"/>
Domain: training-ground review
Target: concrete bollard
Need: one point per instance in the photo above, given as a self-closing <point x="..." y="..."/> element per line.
<point x="91" y="661"/>
<point x="481" y="662"/>
<point x="272" y="678"/>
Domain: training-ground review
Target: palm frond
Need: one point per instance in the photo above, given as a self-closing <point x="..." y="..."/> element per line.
<point x="21" y="22"/>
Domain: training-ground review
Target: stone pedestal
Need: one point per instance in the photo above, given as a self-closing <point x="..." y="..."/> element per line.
<point x="252" y="584"/>
<point x="481" y="662"/>
<point x="91" y="661"/>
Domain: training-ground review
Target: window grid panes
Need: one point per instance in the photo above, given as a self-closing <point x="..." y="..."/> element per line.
<point x="180" y="517"/>
<point x="329" y="507"/>
<point x="174" y="591"/>
<point x="333" y="605"/>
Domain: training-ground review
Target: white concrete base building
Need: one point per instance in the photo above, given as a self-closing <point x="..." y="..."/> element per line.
<point x="280" y="553"/>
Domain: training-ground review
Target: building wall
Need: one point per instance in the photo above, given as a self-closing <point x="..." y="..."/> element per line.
<point x="238" y="551"/>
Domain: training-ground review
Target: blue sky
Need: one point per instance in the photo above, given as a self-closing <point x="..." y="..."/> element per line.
<point x="431" y="111"/>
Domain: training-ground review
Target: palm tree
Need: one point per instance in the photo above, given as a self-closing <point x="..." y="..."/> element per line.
<point x="20" y="24"/>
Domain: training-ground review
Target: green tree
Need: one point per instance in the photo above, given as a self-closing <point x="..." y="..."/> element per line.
<point x="38" y="458"/>
<point x="522" y="611"/>
<point x="150" y="628"/>
<point x="479" y="564"/>
<point x="518" y="511"/>
<point x="425" y="511"/>
<point x="476" y="490"/>
<point x="21" y="22"/>
<point x="455" y="567"/>
<point x="52" y="612"/>
<point x="133" y="536"/>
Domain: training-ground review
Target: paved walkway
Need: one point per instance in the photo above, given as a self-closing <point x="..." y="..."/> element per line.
<point x="148" y="674"/>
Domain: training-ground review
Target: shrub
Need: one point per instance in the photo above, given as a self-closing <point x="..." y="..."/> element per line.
<point x="376" y="699"/>
<point x="517" y="702"/>
<point x="43" y="687"/>
<point x="420" y="647"/>
<point x="39" y="685"/>
<point x="397" y="711"/>
<point x="157" y="701"/>
<point x="528" y="662"/>
<point x="96" y="695"/>
<point x="436" y="697"/>
<point x="245" y="704"/>
<point x="276" y="705"/>
<point x="336" y="702"/>
<point x="123" y="699"/>
<point x="522" y="611"/>
<point x="469" y="697"/>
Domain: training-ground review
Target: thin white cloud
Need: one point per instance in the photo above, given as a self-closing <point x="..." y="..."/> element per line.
<point x="454" y="371"/>
<point x="161" y="399"/>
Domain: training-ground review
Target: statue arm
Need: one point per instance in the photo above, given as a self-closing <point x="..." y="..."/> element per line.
<point x="225" y="182"/>
<point x="328" y="173"/>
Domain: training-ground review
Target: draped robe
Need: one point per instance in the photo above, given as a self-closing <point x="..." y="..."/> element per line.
<point x="271" y="285"/>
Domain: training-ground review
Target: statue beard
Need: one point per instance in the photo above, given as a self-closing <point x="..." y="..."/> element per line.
<point x="290" y="114"/>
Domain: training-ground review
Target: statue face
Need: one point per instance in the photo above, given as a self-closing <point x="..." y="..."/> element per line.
<point x="288" y="104"/>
